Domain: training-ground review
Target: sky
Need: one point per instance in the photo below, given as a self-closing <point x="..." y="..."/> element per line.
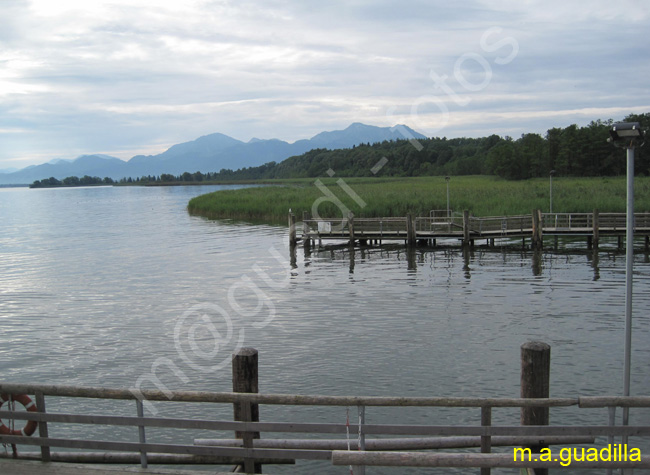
<point x="128" y="77"/>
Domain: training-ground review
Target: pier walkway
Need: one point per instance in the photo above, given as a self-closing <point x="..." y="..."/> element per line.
<point x="466" y="228"/>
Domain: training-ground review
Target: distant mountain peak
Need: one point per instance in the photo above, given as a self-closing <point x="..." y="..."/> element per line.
<point x="358" y="132"/>
<point x="208" y="153"/>
<point x="93" y="156"/>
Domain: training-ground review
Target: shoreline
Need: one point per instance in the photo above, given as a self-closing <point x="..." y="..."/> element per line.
<point x="418" y="196"/>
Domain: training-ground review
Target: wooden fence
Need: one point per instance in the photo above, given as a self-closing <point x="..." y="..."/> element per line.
<point x="352" y="444"/>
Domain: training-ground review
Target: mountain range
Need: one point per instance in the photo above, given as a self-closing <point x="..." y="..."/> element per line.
<point x="210" y="153"/>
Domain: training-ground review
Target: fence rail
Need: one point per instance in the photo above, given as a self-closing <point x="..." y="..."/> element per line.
<point x="255" y="452"/>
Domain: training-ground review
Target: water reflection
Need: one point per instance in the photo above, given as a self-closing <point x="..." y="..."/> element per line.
<point x="595" y="260"/>
<point x="471" y="256"/>
<point x="538" y="259"/>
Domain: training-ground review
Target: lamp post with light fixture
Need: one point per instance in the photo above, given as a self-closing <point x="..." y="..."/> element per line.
<point x="628" y="135"/>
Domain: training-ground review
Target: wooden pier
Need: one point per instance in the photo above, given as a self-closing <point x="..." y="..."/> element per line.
<point x="466" y="228"/>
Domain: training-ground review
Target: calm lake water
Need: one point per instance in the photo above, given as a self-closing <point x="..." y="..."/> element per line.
<point x="99" y="284"/>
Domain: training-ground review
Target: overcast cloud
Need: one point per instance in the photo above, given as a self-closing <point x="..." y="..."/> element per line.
<point x="124" y="77"/>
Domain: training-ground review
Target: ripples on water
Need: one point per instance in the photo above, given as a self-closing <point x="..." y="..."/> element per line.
<point x="94" y="280"/>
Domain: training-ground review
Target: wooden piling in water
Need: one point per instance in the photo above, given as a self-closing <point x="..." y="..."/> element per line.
<point x="466" y="229"/>
<point x="245" y="379"/>
<point x="292" y="229"/>
<point x="535" y="383"/>
<point x="537" y="237"/>
<point x="305" y="230"/>
<point x="351" y="227"/>
<point x="410" y="230"/>
<point x="596" y="224"/>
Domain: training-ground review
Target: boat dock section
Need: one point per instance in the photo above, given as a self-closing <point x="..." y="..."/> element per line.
<point x="466" y="228"/>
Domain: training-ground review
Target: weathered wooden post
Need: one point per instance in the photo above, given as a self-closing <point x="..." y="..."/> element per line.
<point x="245" y="380"/>
<point x="596" y="224"/>
<point x="292" y="229"/>
<point x="538" y="233"/>
<point x="351" y="227"/>
<point x="466" y="227"/>
<point x="305" y="230"/>
<point x="410" y="230"/>
<point x="535" y="383"/>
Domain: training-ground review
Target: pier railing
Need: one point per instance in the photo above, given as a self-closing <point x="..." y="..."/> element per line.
<point x="503" y="224"/>
<point x="354" y="443"/>
<point x="467" y="228"/>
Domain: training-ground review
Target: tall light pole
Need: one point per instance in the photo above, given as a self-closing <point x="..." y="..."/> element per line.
<point x="447" y="178"/>
<point x="550" y="175"/>
<point x="628" y="135"/>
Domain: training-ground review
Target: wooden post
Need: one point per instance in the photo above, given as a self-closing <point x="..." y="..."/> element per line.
<point x="292" y="229"/>
<point x="305" y="229"/>
<point x="537" y="237"/>
<point x="596" y="224"/>
<point x="245" y="380"/>
<point x="351" y="227"/>
<point x="42" y="427"/>
<point x="410" y="230"/>
<point x="466" y="227"/>
<point x="486" y="441"/>
<point x="535" y="383"/>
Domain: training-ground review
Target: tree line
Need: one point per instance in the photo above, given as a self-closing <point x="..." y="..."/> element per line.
<point x="569" y="151"/>
<point x="72" y="181"/>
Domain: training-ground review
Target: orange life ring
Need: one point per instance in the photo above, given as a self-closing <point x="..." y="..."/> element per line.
<point x="24" y="399"/>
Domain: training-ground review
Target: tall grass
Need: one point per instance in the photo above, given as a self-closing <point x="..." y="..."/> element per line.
<point x="374" y="197"/>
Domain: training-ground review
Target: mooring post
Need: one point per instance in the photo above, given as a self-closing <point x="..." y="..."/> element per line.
<point x="537" y="237"/>
<point x="596" y="223"/>
<point x="351" y="227"/>
<point x="245" y="380"/>
<point x="410" y="230"/>
<point x="292" y="229"/>
<point x="535" y="383"/>
<point x="305" y="230"/>
<point x="466" y="227"/>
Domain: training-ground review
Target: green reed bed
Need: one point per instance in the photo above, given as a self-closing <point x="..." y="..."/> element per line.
<point x="373" y="197"/>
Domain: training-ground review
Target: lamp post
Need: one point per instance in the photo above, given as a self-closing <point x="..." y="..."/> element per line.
<point x="447" y="178"/>
<point x="550" y="175"/>
<point x="628" y="135"/>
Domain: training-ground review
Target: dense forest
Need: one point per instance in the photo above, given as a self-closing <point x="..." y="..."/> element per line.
<point x="571" y="151"/>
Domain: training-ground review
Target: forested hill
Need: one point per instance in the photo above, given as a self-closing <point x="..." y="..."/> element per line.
<point x="570" y="151"/>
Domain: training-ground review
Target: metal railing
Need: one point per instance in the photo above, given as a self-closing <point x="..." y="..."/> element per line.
<point x="248" y="451"/>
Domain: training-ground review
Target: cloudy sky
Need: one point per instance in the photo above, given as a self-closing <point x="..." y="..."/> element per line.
<point x="124" y="77"/>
